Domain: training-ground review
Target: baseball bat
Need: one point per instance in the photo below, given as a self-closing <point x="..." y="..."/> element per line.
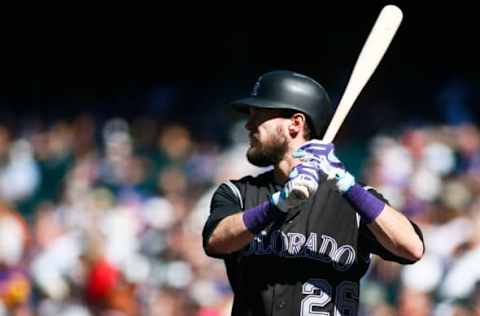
<point x="370" y="56"/>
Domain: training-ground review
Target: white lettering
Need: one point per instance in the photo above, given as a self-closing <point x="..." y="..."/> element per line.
<point x="328" y="243"/>
<point x="296" y="244"/>
<point x="350" y="258"/>
<point x="311" y="244"/>
<point x="296" y="241"/>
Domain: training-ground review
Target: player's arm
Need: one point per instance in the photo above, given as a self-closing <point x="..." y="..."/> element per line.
<point x="229" y="236"/>
<point x="391" y="228"/>
<point x="397" y="234"/>
<point x="228" y="229"/>
<point x="224" y="231"/>
<point x="378" y="236"/>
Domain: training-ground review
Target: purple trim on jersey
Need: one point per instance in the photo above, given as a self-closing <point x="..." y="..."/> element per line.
<point x="258" y="217"/>
<point x="366" y="204"/>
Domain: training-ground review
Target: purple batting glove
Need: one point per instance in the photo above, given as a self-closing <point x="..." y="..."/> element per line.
<point x="315" y="149"/>
<point x="302" y="184"/>
<point x="306" y="169"/>
<point x="321" y="156"/>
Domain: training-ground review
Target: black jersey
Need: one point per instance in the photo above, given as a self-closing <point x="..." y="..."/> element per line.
<point x="309" y="262"/>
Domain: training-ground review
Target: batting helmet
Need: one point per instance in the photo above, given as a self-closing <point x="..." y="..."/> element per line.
<point x="283" y="89"/>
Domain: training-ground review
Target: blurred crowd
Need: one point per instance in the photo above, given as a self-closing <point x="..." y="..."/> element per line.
<point x="432" y="174"/>
<point x="105" y="218"/>
<point x="102" y="219"/>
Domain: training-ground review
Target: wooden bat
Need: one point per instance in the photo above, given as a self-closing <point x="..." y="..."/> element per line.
<point x="372" y="52"/>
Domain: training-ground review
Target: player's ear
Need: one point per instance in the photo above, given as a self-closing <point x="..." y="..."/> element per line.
<point x="297" y="122"/>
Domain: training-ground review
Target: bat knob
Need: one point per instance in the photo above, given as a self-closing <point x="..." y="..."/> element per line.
<point x="300" y="193"/>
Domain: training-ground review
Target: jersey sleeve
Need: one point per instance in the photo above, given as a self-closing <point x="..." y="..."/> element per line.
<point x="369" y="242"/>
<point x="225" y="201"/>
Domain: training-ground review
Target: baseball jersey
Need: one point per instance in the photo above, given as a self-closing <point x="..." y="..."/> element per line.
<point x="307" y="262"/>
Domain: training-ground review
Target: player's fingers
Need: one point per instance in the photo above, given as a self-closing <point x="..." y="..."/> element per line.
<point x="316" y="145"/>
<point x="305" y="170"/>
<point x="309" y="159"/>
<point x="306" y="152"/>
<point x="311" y="186"/>
<point x="299" y="154"/>
<point x="314" y="142"/>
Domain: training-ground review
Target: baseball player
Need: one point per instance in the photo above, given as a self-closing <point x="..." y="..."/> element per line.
<point x="297" y="239"/>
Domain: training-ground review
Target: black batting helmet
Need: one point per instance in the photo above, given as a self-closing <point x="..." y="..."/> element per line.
<point x="283" y="89"/>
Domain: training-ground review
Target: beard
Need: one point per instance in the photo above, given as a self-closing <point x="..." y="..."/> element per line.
<point x="269" y="153"/>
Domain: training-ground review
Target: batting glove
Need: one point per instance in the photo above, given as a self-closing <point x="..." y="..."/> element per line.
<point x="322" y="156"/>
<point x="302" y="184"/>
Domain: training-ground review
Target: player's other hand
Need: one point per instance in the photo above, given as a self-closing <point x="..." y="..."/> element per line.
<point x="316" y="151"/>
<point x="322" y="156"/>
<point x="302" y="183"/>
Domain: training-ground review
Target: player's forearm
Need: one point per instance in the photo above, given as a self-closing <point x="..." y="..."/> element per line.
<point x="393" y="230"/>
<point x="235" y="231"/>
<point x="230" y="235"/>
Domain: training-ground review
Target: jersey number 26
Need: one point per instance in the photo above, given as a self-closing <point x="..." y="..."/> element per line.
<point x="319" y="294"/>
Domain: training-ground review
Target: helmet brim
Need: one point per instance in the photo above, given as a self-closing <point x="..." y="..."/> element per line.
<point x="243" y="105"/>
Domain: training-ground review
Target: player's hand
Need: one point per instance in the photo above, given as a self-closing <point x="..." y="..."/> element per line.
<point x="302" y="184"/>
<point x="317" y="151"/>
<point x="322" y="156"/>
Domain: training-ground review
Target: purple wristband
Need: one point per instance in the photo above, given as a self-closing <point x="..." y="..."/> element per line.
<point x="365" y="203"/>
<point x="258" y="217"/>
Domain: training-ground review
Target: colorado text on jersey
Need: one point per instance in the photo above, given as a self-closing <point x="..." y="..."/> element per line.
<point x="291" y="244"/>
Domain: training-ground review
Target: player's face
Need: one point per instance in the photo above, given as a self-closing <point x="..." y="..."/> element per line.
<point x="268" y="136"/>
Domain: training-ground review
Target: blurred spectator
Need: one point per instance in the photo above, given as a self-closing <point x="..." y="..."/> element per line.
<point x="103" y="217"/>
<point x="15" y="284"/>
<point x="414" y="303"/>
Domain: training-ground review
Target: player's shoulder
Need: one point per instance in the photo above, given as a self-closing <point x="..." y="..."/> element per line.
<point x="235" y="189"/>
<point x="255" y="180"/>
<point x="249" y="181"/>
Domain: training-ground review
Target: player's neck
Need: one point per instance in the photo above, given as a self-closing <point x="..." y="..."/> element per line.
<point x="281" y="171"/>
